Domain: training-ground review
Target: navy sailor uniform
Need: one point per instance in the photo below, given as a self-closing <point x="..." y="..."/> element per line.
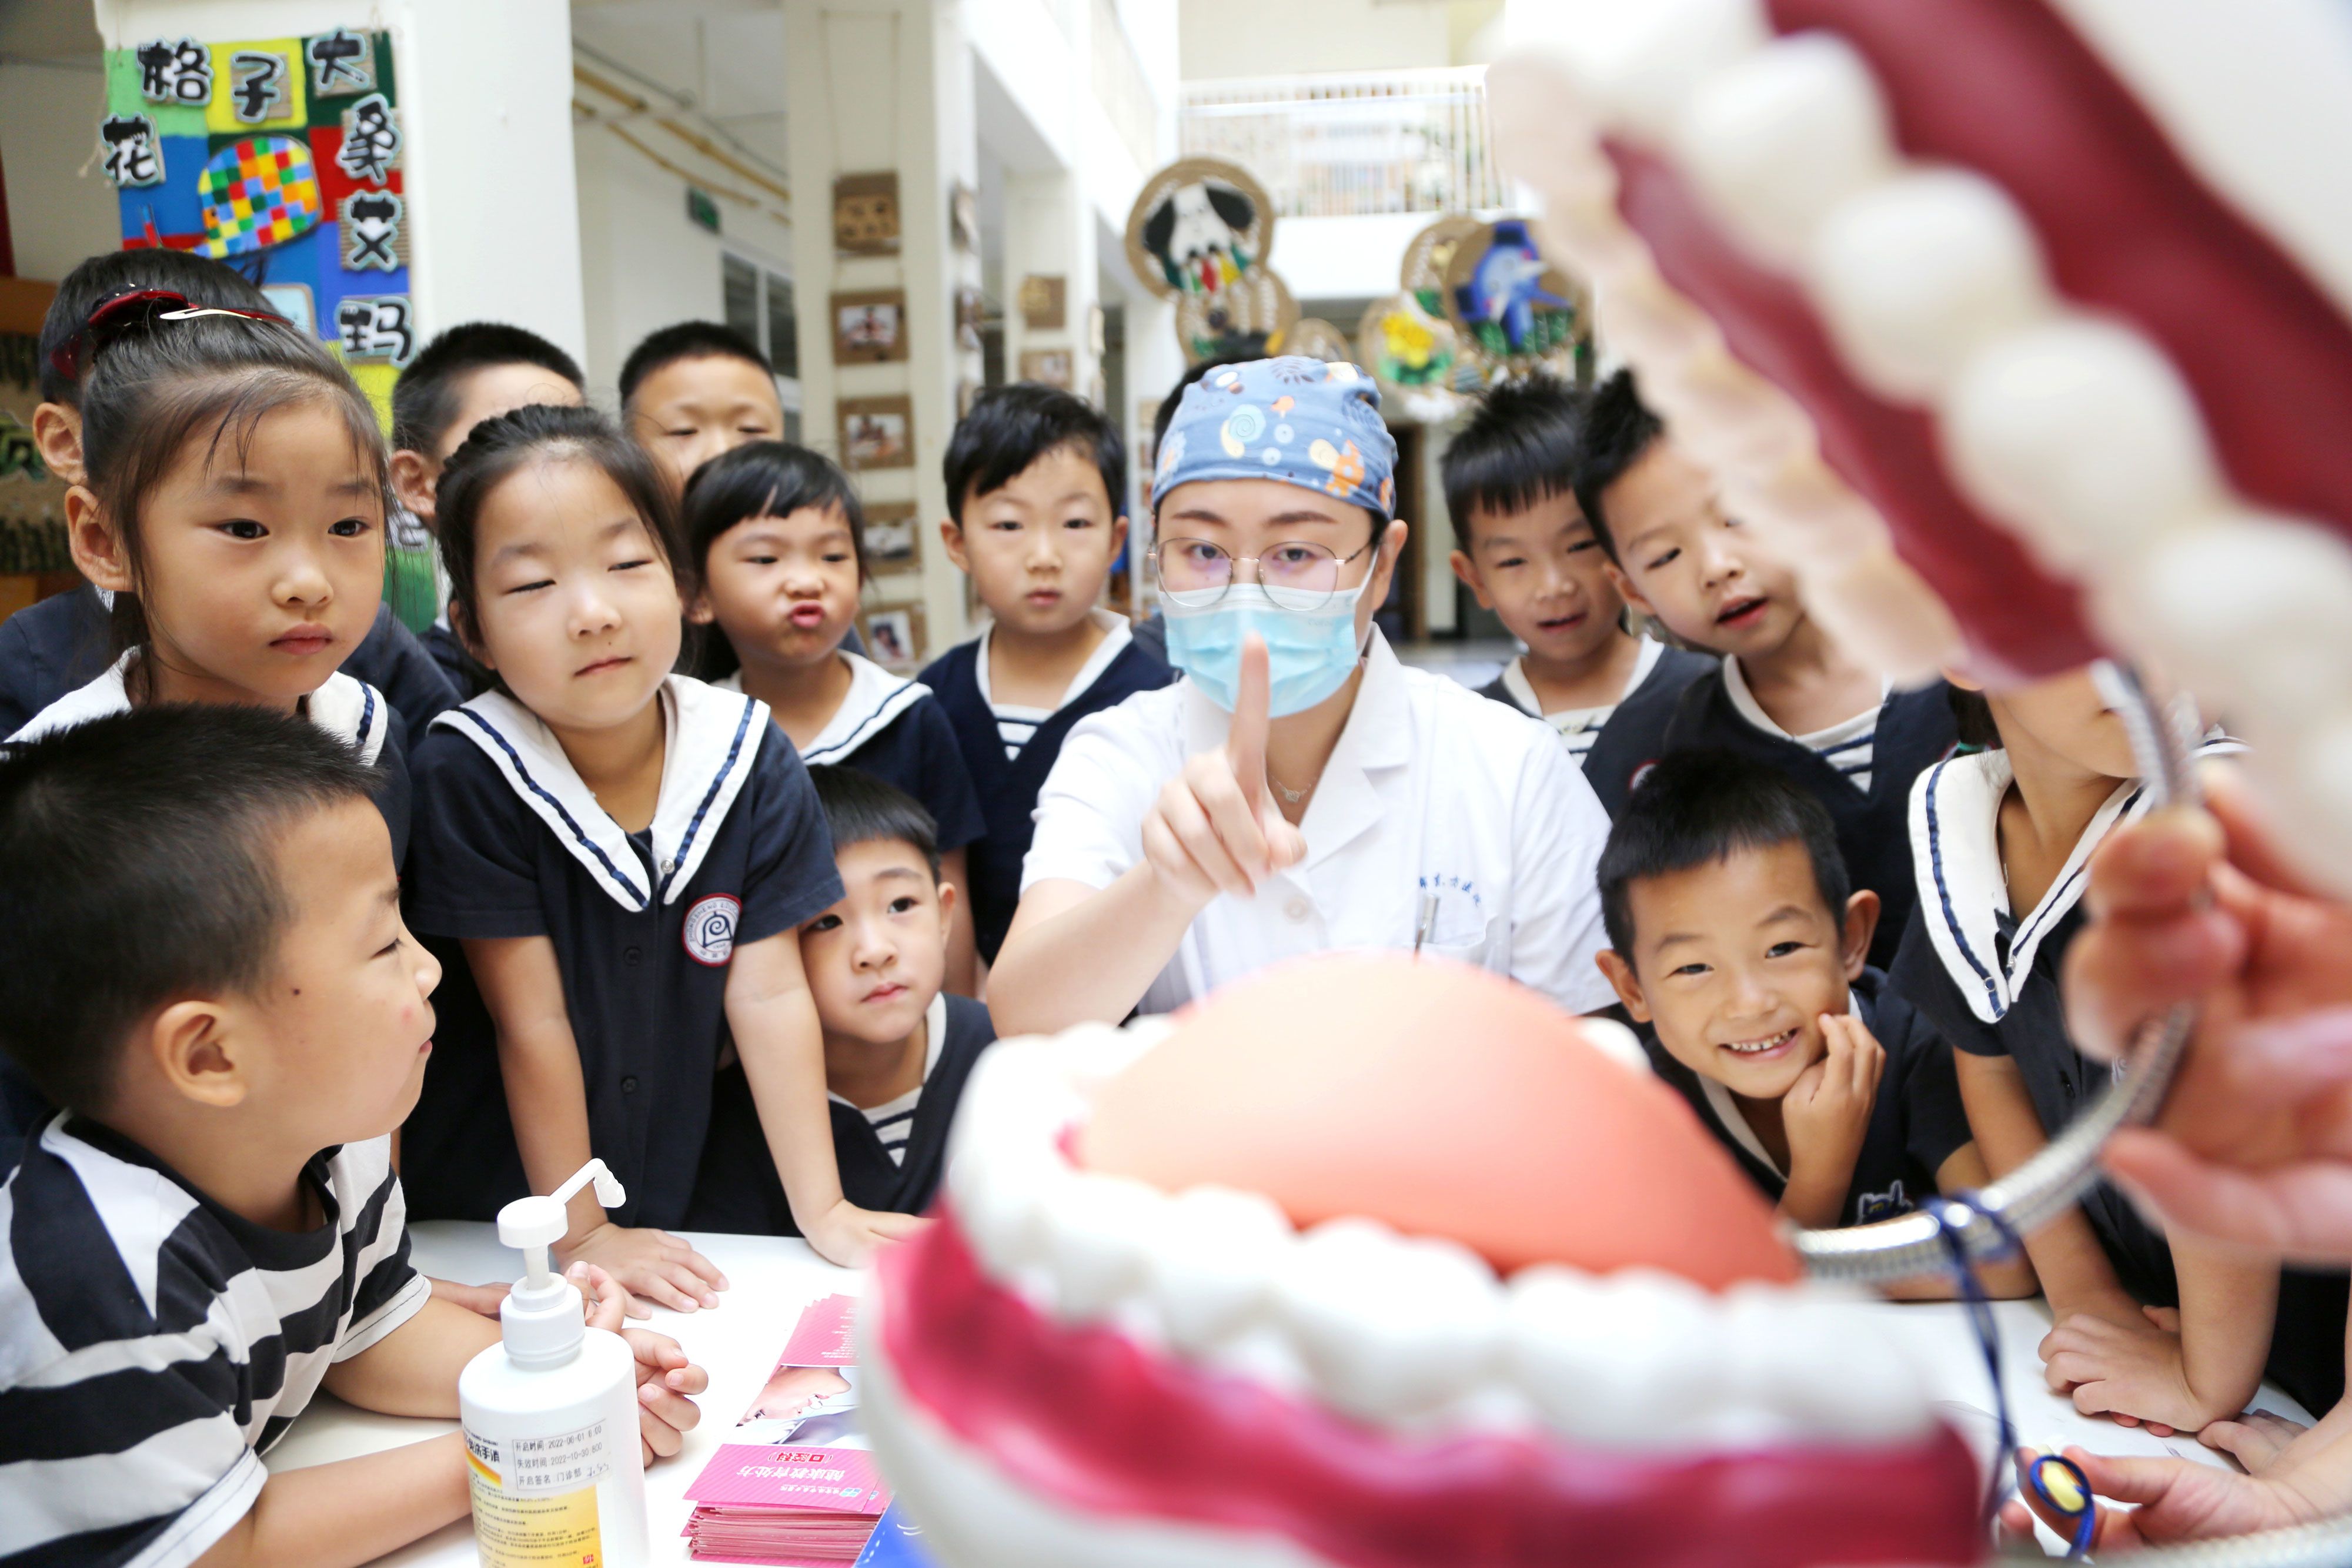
<point x="890" y="1158"/>
<point x="1009" y="786"/>
<point x="894" y="729"/>
<point x="511" y="842"/>
<point x="1990" y="981"/>
<point x="1914" y="731"/>
<point x="1916" y="1126"/>
<point x="1661" y="671"/>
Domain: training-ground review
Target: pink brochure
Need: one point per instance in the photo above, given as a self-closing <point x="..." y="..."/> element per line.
<point x="822" y="1337"/>
<point x="749" y="1475"/>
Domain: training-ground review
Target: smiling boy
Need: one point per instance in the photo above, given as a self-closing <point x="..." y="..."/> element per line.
<point x="1784" y="693"/>
<point x="1734" y="937"/>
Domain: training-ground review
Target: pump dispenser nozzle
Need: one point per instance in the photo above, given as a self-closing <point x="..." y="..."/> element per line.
<point x="542" y="1317"/>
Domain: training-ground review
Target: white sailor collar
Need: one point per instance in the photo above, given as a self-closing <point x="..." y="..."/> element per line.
<point x="1576" y="721"/>
<point x="1964" y="889"/>
<point x="346" y="707"/>
<point x="876" y="698"/>
<point x="713" y="738"/>
<point x="1117" y="632"/>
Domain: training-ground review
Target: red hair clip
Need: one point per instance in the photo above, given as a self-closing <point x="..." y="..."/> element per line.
<point x="109" y="317"/>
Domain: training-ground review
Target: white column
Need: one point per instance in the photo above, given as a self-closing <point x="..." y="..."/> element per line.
<point x="1049" y="233"/>
<point x="485" y="98"/>
<point x="875" y="86"/>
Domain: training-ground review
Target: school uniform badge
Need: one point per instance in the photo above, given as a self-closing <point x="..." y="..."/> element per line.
<point x="709" y="930"/>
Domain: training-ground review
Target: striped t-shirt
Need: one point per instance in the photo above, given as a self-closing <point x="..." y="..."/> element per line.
<point x="1016" y="724"/>
<point x="1849" y="746"/>
<point x="893" y="1120"/>
<point x="153" y="1344"/>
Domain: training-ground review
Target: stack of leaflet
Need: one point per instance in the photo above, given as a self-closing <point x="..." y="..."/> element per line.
<point x="796" y="1487"/>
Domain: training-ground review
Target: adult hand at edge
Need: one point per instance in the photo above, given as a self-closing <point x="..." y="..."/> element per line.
<point x="2254" y="1144"/>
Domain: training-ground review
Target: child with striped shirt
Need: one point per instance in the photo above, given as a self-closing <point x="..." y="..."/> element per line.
<point x="1783" y="693"/>
<point x="209" y="972"/>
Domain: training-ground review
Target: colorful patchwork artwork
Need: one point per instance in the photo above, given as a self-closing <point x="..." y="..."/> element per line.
<point x="281" y="156"/>
<point x="258" y="192"/>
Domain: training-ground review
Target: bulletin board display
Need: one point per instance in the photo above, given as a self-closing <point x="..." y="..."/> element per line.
<point x="281" y="157"/>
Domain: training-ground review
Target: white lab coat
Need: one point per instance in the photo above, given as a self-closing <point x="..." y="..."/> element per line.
<point x="1432" y="788"/>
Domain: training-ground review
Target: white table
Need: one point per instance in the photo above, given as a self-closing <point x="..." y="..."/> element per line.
<point x="772" y="1279"/>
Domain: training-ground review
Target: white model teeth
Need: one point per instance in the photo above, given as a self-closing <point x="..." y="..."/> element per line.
<point x="1617" y="1042"/>
<point x="2076" y="432"/>
<point x="1779" y="138"/>
<point x="1212" y="1269"/>
<point x="2084" y="431"/>
<point x="2253" y="604"/>
<point x="1401" y="1330"/>
<point x="1390" y="1327"/>
<point x="1919" y="273"/>
<point x="1642" y="61"/>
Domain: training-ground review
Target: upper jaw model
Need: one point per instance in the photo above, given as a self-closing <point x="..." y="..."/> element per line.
<point x="2046" y="302"/>
<point x="1378" y="1263"/>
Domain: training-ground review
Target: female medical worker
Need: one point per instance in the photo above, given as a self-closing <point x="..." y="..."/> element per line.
<point x="1299" y="790"/>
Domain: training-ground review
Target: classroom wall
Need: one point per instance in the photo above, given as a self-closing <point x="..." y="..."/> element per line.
<point x="643" y="263"/>
<point x="48" y="130"/>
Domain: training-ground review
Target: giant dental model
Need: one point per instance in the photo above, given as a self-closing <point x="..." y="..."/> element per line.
<point x="2044" y="301"/>
<point x="1382" y="1264"/>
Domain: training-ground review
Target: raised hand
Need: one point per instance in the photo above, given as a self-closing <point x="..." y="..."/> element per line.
<point x="1214" y="828"/>
<point x="2254" y="1144"/>
<point x="1827" y="1115"/>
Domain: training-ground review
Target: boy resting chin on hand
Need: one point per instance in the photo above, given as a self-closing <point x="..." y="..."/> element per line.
<point x="1734" y="937"/>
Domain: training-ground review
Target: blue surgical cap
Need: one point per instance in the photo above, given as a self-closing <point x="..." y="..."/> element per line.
<point x="1303" y="422"/>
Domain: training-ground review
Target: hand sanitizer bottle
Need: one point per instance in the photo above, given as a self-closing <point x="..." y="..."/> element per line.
<point x="550" y="1415"/>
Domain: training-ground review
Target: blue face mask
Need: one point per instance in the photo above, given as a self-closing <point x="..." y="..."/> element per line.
<point x="1310" y="652"/>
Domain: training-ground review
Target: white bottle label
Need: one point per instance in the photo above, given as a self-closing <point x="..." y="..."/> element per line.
<point x="534" y="1466"/>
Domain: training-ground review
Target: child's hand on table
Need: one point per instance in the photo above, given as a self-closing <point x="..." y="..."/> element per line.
<point x="650" y="1263"/>
<point x="1826" y="1115"/>
<point x="666" y="1379"/>
<point x="1215" y="828"/>
<point x="2130" y="1373"/>
<point x="2255" y="1440"/>
<point x="482" y="1299"/>
<point x="848" y="1235"/>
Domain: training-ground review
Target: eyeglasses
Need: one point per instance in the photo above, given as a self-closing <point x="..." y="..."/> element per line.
<point x="1296" y="574"/>
<point x="108" y="321"/>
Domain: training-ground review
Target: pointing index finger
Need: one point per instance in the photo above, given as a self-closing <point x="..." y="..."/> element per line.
<point x="1245" y="740"/>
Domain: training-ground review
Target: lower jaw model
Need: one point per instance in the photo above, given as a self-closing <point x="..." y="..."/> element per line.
<point x="2022" y="326"/>
<point x="1097" y="1359"/>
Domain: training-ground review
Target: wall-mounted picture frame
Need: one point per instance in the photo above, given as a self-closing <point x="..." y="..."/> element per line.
<point x="970" y="314"/>
<point x="865" y="213"/>
<point x="869" y="328"/>
<point x="875" y="431"/>
<point x="963" y="217"/>
<point x="1044" y="302"/>
<point x="894" y="538"/>
<point x="1050" y="367"/>
<point x="894" y="636"/>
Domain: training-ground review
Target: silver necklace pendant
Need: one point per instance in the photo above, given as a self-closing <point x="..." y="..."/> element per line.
<point x="1290" y="797"/>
